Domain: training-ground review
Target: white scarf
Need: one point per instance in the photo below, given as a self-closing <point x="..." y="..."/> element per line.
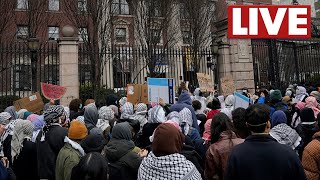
<point x="75" y="145"/>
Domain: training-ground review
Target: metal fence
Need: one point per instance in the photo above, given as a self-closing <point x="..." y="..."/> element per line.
<point x="16" y="69"/>
<point x="284" y="62"/>
<point x="133" y="65"/>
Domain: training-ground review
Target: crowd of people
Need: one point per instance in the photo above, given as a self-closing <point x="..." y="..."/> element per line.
<point x="199" y="137"/>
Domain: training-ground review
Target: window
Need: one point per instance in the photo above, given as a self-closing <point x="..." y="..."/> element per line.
<point x="120" y="7"/>
<point x="121" y="35"/>
<point x="155" y="35"/>
<point x="186" y="37"/>
<point x="22" y="4"/>
<point x="22" y="77"/>
<point x="53" y="33"/>
<point x="82" y="5"/>
<point x="83" y="34"/>
<point x="53" y="5"/>
<point x="22" y="32"/>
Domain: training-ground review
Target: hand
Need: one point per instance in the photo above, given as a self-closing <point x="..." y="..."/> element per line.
<point x="51" y="102"/>
<point x="161" y="102"/>
<point x="4" y="161"/>
<point x="143" y="153"/>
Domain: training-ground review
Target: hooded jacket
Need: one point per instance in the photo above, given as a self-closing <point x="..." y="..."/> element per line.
<point x="184" y="101"/>
<point x="311" y="158"/>
<point x="91" y="116"/>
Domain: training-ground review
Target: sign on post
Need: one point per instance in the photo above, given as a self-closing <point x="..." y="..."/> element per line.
<point x="227" y="85"/>
<point x="161" y="88"/>
<point x="137" y="93"/>
<point x="32" y="103"/>
<point x="205" y="82"/>
<point x="52" y="92"/>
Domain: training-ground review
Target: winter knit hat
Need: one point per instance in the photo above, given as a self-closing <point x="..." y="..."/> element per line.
<point x="77" y="131"/>
<point x="4" y="118"/>
<point x="278" y="117"/>
<point x="93" y="143"/>
<point x="106" y="113"/>
<point x="307" y="116"/>
<point x="284" y="134"/>
<point x="156" y="115"/>
<point x="22" y="130"/>
<point x="276" y="95"/>
<point x="141" y="107"/>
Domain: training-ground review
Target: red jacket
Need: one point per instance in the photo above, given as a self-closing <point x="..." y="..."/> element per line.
<point x="212" y="113"/>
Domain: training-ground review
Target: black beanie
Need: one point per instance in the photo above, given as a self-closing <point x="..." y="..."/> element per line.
<point x="93" y="143"/>
<point x="307" y="115"/>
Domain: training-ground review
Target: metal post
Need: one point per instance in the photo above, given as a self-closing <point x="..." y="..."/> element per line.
<point x="34" y="57"/>
<point x="296" y="62"/>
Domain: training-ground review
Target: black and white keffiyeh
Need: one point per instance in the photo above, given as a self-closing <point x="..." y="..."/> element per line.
<point x="174" y="166"/>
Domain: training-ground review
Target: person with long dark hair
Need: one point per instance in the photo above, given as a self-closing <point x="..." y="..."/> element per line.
<point x="223" y="140"/>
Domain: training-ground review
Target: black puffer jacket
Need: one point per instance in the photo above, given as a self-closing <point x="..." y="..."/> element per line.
<point x="123" y="162"/>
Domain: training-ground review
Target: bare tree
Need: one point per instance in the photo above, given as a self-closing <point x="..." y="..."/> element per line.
<point x="7" y="15"/>
<point x="155" y="31"/>
<point x="93" y="18"/>
<point x="198" y="19"/>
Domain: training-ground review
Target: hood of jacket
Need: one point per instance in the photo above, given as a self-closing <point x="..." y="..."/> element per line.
<point x="185" y="98"/>
<point x="116" y="149"/>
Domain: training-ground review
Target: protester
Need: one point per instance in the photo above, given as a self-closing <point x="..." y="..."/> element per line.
<point x="12" y="111"/>
<point x="165" y="162"/>
<point x="75" y="107"/>
<point x="127" y="111"/>
<point x="223" y="140"/>
<point x="214" y="105"/>
<point x="106" y="115"/>
<point x="184" y="101"/>
<point x="93" y="143"/>
<point x="207" y="133"/>
<point x="70" y="154"/>
<point x="124" y="163"/>
<point x="92" y="166"/>
<point x="186" y="124"/>
<point x="198" y="97"/>
<point x="229" y="106"/>
<point x="122" y="101"/>
<point x="283" y="133"/>
<point x="111" y="99"/>
<point x="141" y="114"/>
<point x="251" y="159"/>
<point x="6" y="132"/>
<point x="311" y="102"/>
<point x="239" y="122"/>
<point x="296" y="120"/>
<point x="32" y="117"/>
<point x="91" y="117"/>
<point x="301" y="94"/>
<point x="311" y="158"/>
<point x="276" y="102"/>
<point x="38" y="124"/>
<point x="49" y="142"/>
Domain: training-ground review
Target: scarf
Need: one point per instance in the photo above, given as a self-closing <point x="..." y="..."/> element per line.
<point x="51" y="117"/>
<point x="75" y="145"/>
<point x="156" y="115"/>
<point x="32" y="117"/>
<point x="311" y="102"/>
<point x="23" y="130"/>
<point x="12" y="111"/>
<point x="284" y="134"/>
<point x="21" y="113"/>
<point x="8" y="131"/>
<point x="207" y="131"/>
<point x="126" y="111"/>
<point x="91" y="116"/>
<point x="106" y="113"/>
<point x="5" y="118"/>
<point x="115" y="109"/>
<point x="185" y="120"/>
<point x="38" y="123"/>
<point x="174" y="166"/>
<point x="301" y="93"/>
<point x="278" y="117"/>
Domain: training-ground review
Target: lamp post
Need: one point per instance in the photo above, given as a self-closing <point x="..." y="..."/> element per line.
<point x="213" y="63"/>
<point x="33" y="44"/>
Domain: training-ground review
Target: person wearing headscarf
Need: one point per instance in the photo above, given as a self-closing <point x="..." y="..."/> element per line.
<point x="6" y="132"/>
<point x="296" y="115"/>
<point x="141" y="114"/>
<point x="24" y="151"/>
<point x="115" y="110"/>
<point x="122" y="101"/>
<point x="21" y="113"/>
<point x="311" y="102"/>
<point x="198" y="96"/>
<point x="50" y="141"/>
<point x="71" y="153"/>
<point x="32" y="117"/>
<point x="119" y="152"/>
<point x="229" y="106"/>
<point x="12" y="111"/>
<point x="66" y="121"/>
<point x="207" y="133"/>
<point x="91" y="117"/>
<point x="186" y="124"/>
<point x="307" y="128"/>
<point x="301" y="94"/>
<point x="222" y="101"/>
<point x="26" y="115"/>
<point x="127" y="111"/>
<point x="106" y="115"/>
<point x="38" y="124"/>
<point x="283" y="133"/>
<point x="165" y="160"/>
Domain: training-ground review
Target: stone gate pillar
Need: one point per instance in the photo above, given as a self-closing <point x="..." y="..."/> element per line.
<point x="69" y="66"/>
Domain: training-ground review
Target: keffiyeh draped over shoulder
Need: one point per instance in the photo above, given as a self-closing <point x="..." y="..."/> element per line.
<point x="157" y="115"/>
<point x="174" y="166"/>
